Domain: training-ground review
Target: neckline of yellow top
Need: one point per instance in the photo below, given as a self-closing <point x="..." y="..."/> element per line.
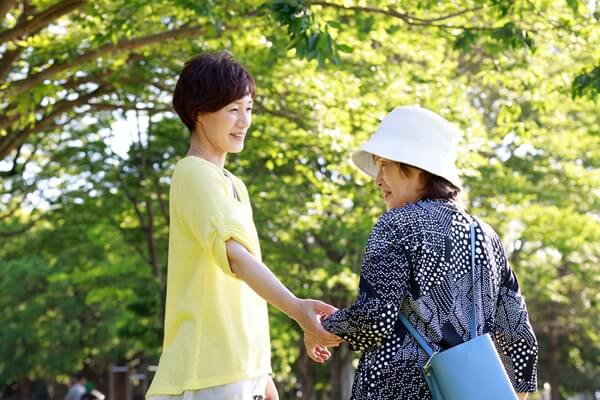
<point x="224" y="173"/>
<point x="204" y="160"/>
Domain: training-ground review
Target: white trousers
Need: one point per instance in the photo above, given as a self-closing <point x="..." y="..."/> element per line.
<point x="242" y="390"/>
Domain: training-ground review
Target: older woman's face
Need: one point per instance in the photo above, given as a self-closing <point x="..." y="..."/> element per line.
<point x="397" y="187"/>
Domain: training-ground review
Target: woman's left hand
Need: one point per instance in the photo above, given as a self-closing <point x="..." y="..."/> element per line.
<point x="271" y="390"/>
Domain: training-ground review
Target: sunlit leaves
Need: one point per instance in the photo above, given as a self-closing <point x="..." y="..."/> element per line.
<point x="503" y="71"/>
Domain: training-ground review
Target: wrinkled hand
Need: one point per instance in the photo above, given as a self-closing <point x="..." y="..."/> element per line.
<point x="314" y="350"/>
<point x="271" y="390"/>
<point x="309" y="316"/>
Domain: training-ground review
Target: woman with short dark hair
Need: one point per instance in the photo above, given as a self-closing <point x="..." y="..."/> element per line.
<point x="417" y="263"/>
<point x="216" y="338"/>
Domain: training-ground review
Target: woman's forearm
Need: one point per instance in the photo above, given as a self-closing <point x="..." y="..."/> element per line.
<point x="261" y="279"/>
<point x="306" y="312"/>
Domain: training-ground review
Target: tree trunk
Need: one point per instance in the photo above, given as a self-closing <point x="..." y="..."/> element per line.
<point x="307" y="375"/>
<point x="24" y="389"/>
<point x="552" y="354"/>
<point x="151" y="239"/>
<point x="342" y="373"/>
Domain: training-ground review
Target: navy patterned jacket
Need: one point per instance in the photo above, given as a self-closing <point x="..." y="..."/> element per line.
<point x="418" y="262"/>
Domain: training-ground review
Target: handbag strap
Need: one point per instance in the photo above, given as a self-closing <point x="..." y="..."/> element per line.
<point x="473" y="303"/>
<point x="417" y="336"/>
<point x="473" y="325"/>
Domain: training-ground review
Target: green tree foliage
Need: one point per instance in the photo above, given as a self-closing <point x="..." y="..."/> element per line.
<point x="84" y="228"/>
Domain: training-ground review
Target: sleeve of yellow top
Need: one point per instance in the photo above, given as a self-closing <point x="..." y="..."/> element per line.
<point x="209" y="211"/>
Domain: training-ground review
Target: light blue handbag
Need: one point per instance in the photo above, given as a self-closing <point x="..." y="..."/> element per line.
<point x="468" y="371"/>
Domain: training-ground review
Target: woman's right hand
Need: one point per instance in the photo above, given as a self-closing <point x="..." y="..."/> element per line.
<point x="309" y="315"/>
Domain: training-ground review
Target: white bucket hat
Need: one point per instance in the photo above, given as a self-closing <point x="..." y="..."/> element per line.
<point x="415" y="136"/>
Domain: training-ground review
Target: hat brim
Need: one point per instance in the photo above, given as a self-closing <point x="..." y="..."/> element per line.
<point x="364" y="161"/>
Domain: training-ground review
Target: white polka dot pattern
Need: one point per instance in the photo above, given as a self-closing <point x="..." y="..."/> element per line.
<point x="417" y="260"/>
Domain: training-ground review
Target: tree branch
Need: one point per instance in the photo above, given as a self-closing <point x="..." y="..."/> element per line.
<point x="18" y="169"/>
<point x="151" y="239"/>
<point x="7" y="60"/>
<point x="25" y="188"/>
<point x="5" y="7"/>
<point x="11" y="212"/>
<point x="28" y="83"/>
<point x="409" y="19"/>
<point x="8" y="117"/>
<point x="134" y="243"/>
<point x="19" y="231"/>
<point x="331" y="253"/>
<point x="163" y="205"/>
<point x="155" y="178"/>
<point x="9" y="57"/>
<point x="283" y="113"/>
<point x="76" y="81"/>
<point x="449" y="16"/>
<point x="72" y="83"/>
<point x="40" y="20"/>
<point x="13" y="170"/>
<point x="162" y="87"/>
<point x="133" y="201"/>
<point x="109" y="106"/>
<point x="14" y="139"/>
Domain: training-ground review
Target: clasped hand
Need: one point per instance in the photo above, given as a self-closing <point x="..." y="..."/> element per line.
<point x="316" y="338"/>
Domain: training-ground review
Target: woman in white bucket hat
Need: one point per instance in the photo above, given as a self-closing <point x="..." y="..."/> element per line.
<point x="418" y="262"/>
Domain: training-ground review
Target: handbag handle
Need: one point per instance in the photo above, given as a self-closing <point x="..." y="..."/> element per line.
<point x="473" y="325"/>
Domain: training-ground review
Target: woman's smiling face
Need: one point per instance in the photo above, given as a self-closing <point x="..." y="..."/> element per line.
<point x="397" y="185"/>
<point x="225" y="129"/>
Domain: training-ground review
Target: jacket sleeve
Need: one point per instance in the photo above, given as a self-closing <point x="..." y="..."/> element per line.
<point x="513" y="334"/>
<point x="383" y="281"/>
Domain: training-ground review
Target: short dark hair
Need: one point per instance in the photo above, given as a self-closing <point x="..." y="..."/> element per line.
<point x="434" y="186"/>
<point x="207" y="83"/>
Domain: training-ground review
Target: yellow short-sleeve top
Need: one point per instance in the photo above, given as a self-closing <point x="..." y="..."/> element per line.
<point x="216" y="326"/>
